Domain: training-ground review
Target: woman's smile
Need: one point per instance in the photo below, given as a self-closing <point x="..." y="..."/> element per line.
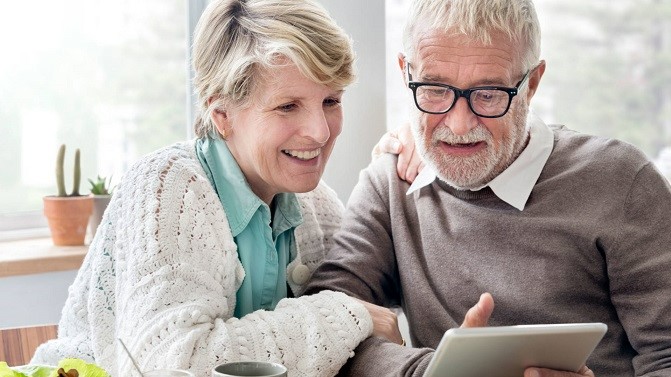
<point x="303" y="155"/>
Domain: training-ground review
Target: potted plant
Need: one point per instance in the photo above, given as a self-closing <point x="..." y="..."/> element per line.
<point x="101" y="198"/>
<point x="68" y="214"/>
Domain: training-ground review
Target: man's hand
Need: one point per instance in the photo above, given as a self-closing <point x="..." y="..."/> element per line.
<point x="542" y="372"/>
<point x="478" y="315"/>
<point x="401" y="142"/>
<point x="385" y="322"/>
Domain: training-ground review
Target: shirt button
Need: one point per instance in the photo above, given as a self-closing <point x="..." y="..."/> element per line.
<point x="300" y="274"/>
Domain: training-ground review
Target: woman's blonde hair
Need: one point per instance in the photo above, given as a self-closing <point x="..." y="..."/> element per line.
<point x="477" y="19"/>
<point x="237" y="40"/>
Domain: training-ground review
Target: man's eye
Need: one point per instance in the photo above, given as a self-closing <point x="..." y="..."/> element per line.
<point x="435" y="91"/>
<point x="485" y="95"/>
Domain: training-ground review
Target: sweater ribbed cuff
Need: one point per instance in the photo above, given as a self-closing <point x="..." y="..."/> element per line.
<point x="355" y="317"/>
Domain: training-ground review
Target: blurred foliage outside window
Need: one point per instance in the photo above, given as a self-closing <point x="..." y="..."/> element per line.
<point x="608" y="70"/>
<point x="108" y="77"/>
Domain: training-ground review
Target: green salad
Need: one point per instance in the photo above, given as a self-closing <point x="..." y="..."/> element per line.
<point x="65" y="368"/>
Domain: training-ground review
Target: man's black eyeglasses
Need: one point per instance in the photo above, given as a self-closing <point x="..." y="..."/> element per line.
<point x="484" y="101"/>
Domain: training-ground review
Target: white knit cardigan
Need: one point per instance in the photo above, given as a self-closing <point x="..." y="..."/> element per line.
<point x="162" y="274"/>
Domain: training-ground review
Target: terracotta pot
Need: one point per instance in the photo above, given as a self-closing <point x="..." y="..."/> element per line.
<point x="68" y="218"/>
<point x="100" y="203"/>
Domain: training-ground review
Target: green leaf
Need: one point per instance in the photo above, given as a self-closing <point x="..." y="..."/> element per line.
<point x="6" y="371"/>
<point x="85" y="369"/>
<point x="25" y="370"/>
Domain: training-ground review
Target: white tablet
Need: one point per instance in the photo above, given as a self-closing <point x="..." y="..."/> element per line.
<point x="506" y="351"/>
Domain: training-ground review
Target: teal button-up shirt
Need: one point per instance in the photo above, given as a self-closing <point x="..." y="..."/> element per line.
<point x="265" y="248"/>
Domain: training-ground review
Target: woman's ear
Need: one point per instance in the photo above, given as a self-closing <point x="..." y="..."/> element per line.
<point x="220" y="117"/>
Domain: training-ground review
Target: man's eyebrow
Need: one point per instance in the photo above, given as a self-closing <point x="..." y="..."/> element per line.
<point x="432" y="78"/>
<point x="441" y="80"/>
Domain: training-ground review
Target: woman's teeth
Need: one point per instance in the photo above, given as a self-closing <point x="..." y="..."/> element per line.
<point x="303" y="155"/>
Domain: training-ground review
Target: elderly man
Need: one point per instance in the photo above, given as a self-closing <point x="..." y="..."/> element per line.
<point x="559" y="226"/>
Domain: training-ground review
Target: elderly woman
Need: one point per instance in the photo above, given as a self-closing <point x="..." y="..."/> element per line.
<point x="205" y="242"/>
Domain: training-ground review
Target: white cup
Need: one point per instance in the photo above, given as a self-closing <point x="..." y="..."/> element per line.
<point x="250" y="369"/>
<point x="168" y="373"/>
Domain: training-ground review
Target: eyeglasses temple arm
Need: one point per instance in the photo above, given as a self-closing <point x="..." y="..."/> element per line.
<point x="407" y="69"/>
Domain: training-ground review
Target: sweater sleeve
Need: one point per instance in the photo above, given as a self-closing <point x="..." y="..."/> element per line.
<point x="638" y="270"/>
<point x="170" y="283"/>
<point x="362" y="264"/>
<point x="177" y="296"/>
<point x="361" y="261"/>
<point x="85" y="306"/>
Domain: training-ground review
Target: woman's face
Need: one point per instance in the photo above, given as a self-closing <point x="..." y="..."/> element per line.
<point x="283" y="139"/>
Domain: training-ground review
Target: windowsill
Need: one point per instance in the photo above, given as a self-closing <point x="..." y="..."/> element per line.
<point x="38" y="255"/>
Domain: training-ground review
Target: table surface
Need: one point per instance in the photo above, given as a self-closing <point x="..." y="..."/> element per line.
<point x="17" y="345"/>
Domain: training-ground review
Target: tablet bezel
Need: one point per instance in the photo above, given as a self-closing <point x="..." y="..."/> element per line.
<point x="505" y="351"/>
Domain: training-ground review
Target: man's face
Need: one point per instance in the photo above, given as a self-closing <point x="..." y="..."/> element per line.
<point x="465" y="150"/>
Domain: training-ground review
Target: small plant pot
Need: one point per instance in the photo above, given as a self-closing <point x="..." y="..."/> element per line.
<point x="100" y="203"/>
<point x="68" y="218"/>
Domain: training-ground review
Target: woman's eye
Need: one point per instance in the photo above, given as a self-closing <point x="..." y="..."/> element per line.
<point x="332" y="102"/>
<point x="287" y="107"/>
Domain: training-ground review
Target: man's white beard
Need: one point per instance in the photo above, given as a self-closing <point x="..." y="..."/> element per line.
<point x="473" y="172"/>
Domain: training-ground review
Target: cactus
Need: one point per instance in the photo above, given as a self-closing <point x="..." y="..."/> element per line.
<point x="60" y="175"/>
<point x="60" y="180"/>
<point x="77" y="175"/>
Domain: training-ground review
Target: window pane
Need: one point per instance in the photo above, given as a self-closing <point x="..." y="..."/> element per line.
<point x="107" y="77"/>
<point x="608" y="70"/>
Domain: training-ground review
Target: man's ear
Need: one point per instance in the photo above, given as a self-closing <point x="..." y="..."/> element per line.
<point x="220" y="117"/>
<point x="535" y="79"/>
<point x="401" y="65"/>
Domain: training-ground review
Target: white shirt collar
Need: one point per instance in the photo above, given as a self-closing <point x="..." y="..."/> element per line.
<point x="514" y="184"/>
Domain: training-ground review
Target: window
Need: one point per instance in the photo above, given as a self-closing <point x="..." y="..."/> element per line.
<point x="107" y="77"/>
<point x="608" y="70"/>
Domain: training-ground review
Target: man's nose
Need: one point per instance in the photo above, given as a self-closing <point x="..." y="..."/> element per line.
<point x="460" y="119"/>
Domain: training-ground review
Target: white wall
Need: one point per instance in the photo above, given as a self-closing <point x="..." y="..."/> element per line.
<point x="34" y="299"/>
<point x="364" y="101"/>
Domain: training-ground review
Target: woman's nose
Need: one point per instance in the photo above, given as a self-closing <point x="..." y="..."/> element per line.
<point x="316" y="127"/>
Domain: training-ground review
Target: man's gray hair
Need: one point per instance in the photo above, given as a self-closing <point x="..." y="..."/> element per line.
<point x="236" y="41"/>
<point x="477" y="19"/>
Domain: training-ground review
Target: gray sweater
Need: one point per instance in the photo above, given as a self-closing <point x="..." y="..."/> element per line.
<point x="592" y="245"/>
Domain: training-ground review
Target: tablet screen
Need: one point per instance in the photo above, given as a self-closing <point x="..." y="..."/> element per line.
<point x="506" y="351"/>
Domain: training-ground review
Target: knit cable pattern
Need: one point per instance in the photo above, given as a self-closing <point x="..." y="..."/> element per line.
<point x="163" y="271"/>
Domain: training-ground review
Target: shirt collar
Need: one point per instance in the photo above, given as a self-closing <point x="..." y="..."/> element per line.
<point x="513" y="185"/>
<point x="239" y="201"/>
<point x="287" y="213"/>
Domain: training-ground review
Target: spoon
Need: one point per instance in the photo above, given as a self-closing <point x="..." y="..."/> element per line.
<point x="130" y="357"/>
